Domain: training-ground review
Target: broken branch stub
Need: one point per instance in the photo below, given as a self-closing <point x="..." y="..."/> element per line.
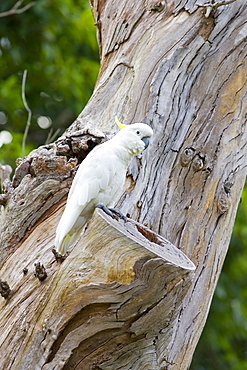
<point x="140" y="240"/>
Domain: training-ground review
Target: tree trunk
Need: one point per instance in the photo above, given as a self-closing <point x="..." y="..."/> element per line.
<point x="127" y="297"/>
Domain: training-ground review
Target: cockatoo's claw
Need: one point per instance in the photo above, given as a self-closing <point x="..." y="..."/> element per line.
<point x="118" y="213"/>
<point x="58" y="256"/>
<point x="105" y="209"/>
<point x="113" y="212"/>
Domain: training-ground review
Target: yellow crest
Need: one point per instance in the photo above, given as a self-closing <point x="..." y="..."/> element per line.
<point x="120" y="125"/>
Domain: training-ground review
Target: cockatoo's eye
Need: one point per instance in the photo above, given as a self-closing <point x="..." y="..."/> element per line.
<point x="138" y="132"/>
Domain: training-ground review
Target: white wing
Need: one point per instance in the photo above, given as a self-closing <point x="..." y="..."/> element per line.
<point x="90" y="187"/>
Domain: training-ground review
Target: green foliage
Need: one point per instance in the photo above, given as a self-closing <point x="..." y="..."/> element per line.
<point x="223" y="344"/>
<point x="55" y="42"/>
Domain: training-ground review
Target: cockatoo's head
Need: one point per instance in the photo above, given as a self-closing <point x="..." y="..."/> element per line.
<point x="135" y="136"/>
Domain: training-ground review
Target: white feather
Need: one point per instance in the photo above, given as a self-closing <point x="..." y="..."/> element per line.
<point x="99" y="180"/>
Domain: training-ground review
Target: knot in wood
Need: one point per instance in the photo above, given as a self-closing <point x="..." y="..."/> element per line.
<point x="208" y="170"/>
<point x="139" y="203"/>
<point x="158" y="7"/>
<point x="223" y="201"/>
<point x="63" y="148"/>
<point x="79" y="145"/>
<point x="3" y="199"/>
<point x="228" y="184"/>
<point x="40" y="271"/>
<point x="21" y="171"/>
<point x="198" y="162"/>
<point x="4" y="289"/>
<point x="187" y="156"/>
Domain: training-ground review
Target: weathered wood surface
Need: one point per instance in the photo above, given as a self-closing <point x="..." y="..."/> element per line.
<point x="166" y="64"/>
<point x="110" y="288"/>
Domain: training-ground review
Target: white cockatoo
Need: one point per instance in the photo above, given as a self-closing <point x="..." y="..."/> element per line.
<point x="99" y="180"/>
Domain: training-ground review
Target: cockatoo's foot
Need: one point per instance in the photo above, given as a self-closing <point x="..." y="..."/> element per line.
<point x="58" y="256"/>
<point x="118" y="213"/>
<point x="113" y="212"/>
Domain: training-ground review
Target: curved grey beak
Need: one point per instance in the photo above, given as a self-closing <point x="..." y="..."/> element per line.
<point x="146" y="141"/>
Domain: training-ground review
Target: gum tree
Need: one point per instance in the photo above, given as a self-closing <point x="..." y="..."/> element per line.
<point x="127" y="297"/>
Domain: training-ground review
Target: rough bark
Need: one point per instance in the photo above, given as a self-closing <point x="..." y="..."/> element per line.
<point x="112" y="304"/>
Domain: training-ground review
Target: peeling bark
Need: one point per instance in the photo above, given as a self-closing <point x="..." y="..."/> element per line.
<point x="113" y="303"/>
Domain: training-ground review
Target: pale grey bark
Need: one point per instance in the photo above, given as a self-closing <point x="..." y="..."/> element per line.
<point x="109" y="305"/>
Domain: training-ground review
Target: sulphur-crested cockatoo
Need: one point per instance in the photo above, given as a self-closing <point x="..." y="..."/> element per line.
<point x="99" y="180"/>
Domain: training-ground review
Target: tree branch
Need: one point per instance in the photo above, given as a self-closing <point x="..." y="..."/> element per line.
<point x="28" y="110"/>
<point x="15" y="9"/>
<point x="51" y="136"/>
